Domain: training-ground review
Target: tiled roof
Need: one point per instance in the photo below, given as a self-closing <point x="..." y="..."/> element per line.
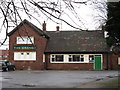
<point x="3" y="52"/>
<point x="70" y="41"/>
<point x="76" y="41"/>
<point x="32" y="26"/>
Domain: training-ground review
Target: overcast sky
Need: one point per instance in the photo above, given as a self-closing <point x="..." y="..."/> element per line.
<point x="85" y="12"/>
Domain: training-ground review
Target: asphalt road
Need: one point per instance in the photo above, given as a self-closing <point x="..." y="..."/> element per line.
<point x="58" y="79"/>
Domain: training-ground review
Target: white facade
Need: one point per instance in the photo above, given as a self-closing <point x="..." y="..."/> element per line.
<point x="25" y="56"/>
<point x="25" y="40"/>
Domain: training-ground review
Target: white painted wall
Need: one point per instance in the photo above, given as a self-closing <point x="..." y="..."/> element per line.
<point x="25" y="40"/>
<point x="19" y="57"/>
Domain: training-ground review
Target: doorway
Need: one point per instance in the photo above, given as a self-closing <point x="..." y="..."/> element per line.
<point x="97" y="62"/>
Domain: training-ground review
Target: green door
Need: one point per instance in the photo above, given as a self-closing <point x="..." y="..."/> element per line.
<point x="97" y="62"/>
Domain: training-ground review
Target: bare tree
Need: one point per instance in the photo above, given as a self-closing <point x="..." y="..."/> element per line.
<point x="101" y="15"/>
<point x="12" y="12"/>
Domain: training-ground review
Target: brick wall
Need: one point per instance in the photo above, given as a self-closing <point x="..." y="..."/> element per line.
<point x="73" y="66"/>
<point x="39" y="41"/>
<point x="114" y="62"/>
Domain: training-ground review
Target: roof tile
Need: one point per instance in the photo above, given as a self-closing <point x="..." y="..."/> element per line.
<point x="76" y="41"/>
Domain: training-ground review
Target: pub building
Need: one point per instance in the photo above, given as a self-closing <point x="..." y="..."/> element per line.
<point x="31" y="48"/>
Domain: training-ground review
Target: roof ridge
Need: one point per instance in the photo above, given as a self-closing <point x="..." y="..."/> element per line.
<point x="31" y="25"/>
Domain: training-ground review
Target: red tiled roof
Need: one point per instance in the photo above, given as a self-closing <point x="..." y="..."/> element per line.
<point x="3" y="52"/>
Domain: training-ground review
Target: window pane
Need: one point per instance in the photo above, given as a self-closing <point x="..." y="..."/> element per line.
<point x="82" y="58"/>
<point x="53" y="58"/>
<point x="59" y="57"/>
<point x="28" y="53"/>
<point x="70" y="58"/>
<point x="91" y="58"/>
<point x="76" y="57"/>
<point x="22" y="53"/>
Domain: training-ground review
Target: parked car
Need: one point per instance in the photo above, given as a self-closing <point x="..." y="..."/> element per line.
<point x="6" y="65"/>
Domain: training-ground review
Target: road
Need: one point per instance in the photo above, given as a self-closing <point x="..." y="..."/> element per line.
<point x="58" y="79"/>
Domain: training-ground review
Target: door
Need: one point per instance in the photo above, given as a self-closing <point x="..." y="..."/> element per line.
<point x="98" y="62"/>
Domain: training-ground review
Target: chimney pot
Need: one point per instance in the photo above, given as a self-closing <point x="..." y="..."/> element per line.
<point x="57" y="28"/>
<point x="44" y="26"/>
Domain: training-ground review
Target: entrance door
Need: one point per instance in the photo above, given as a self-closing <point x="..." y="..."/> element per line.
<point x="98" y="62"/>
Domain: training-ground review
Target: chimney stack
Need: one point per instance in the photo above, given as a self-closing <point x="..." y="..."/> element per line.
<point x="57" y="28"/>
<point x="44" y="26"/>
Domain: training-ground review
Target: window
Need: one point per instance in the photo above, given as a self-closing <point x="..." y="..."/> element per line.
<point x="91" y="58"/>
<point x="22" y="53"/>
<point x="53" y="58"/>
<point x="70" y="58"/>
<point x="82" y="58"/>
<point x="24" y="56"/>
<point x="25" y="40"/>
<point x="76" y="58"/>
<point x="57" y="58"/>
<point x="119" y="60"/>
<point x="28" y="53"/>
<point x="4" y="56"/>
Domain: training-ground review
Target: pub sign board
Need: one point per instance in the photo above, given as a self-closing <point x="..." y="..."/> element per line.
<point x="24" y="48"/>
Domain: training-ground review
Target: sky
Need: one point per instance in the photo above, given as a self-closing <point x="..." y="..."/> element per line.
<point x="85" y="13"/>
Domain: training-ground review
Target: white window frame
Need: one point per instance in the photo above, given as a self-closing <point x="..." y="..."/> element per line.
<point x="118" y="60"/>
<point x="71" y="56"/>
<point x="91" y="60"/>
<point x="66" y="58"/>
<point x="19" y="57"/>
<point x="26" y="38"/>
<point x="54" y="56"/>
<point x="43" y="57"/>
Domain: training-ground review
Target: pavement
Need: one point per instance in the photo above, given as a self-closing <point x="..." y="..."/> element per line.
<point x="58" y="79"/>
